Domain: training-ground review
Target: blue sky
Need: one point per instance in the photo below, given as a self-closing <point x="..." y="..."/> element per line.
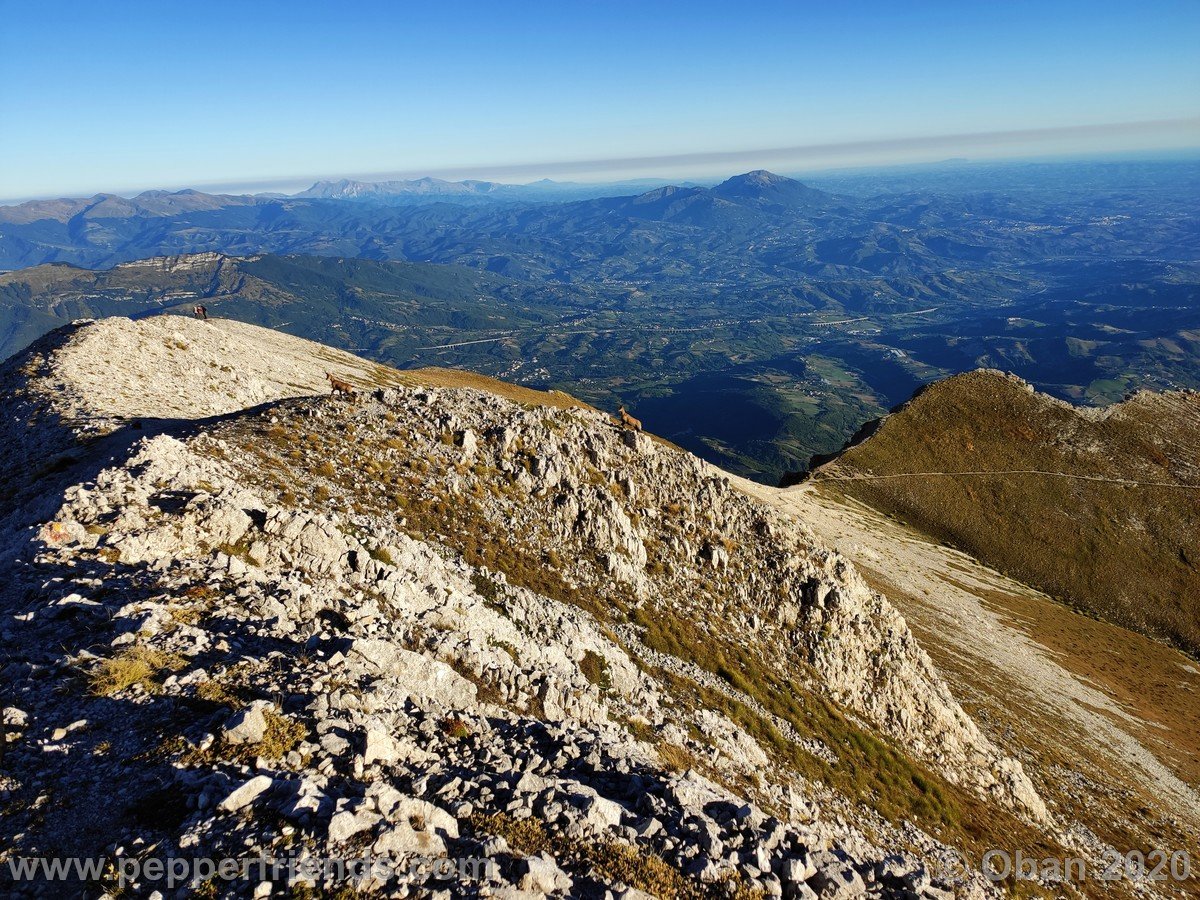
<point x="119" y="96"/>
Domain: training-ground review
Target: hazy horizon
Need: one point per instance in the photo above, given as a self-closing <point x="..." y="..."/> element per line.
<point x="289" y="186"/>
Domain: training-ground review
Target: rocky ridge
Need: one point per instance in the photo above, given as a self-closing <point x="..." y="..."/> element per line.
<point x="442" y="622"/>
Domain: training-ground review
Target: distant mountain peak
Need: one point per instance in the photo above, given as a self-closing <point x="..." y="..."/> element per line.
<point x="758" y="178"/>
<point x="766" y="189"/>
<point x="761" y="177"/>
<point x="668" y="190"/>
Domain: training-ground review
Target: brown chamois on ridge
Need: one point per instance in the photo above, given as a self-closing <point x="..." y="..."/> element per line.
<point x="629" y="421"/>
<point x="338" y="386"/>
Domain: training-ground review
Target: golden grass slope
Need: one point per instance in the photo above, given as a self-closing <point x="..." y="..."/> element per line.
<point x="1098" y="508"/>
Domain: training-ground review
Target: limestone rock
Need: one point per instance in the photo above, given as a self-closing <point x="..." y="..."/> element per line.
<point x="247" y="726"/>
<point x="247" y="793"/>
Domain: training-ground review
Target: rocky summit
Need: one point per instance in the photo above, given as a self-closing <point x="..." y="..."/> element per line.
<point x="443" y="619"/>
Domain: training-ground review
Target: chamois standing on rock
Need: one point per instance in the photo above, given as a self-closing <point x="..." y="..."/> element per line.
<point x="338" y="386"/>
<point x="629" y="421"/>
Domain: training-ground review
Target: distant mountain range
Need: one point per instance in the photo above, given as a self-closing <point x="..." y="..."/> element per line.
<point x="419" y="190"/>
<point x="150" y="204"/>
<point x="402" y="192"/>
<point x="347" y="189"/>
<point x="756" y="322"/>
<point x="759" y="189"/>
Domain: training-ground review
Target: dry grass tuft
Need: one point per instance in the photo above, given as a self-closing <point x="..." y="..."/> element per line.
<point x="282" y="736"/>
<point x="595" y="670"/>
<point x="138" y="665"/>
<point x="186" y="615"/>
<point x="675" y="758"/>
<point x="214" y="691"/>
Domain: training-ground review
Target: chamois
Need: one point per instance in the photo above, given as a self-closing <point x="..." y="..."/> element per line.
<point x="629" y="421"/>
<point x="337" y="386"/>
